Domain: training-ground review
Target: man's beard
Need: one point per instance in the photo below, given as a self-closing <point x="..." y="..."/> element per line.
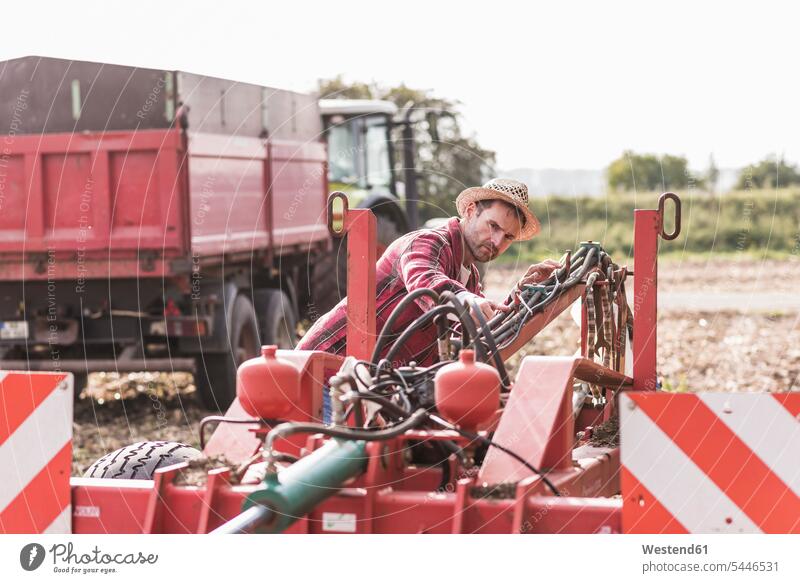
<point x="483" y="253"/>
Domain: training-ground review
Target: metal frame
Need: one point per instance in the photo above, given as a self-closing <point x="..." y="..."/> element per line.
<point x="361" y="229"/>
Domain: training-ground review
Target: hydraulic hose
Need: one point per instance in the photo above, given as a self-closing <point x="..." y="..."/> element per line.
<point x="286" y="429"/>
<point x="398" y="310"/>
<point x="487" y="333"/>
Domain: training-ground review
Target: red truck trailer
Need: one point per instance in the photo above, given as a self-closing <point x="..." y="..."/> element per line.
<point x="153" y="220"/>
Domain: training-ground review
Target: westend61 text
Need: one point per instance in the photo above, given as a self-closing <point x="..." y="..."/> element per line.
<point x="675" y="550"/>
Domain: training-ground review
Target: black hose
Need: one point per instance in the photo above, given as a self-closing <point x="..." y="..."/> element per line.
<point x="445" y="447"/>
<point x="443" y="333"/>
<point x="511" y="320"/>
<point x="468" y="329"/>
<point x="359" y="412"/>
<point x="507" y="328"/>
<point x="384" y="402"/>
<point x="284" y="457"/>
<point x="475" y="436"/>
<point x="575" y="262"/>
<point x="286" y="429"/>
<point x="468" y="434"/>
<point x="498" y="362"/>
<point x="378" y="388"/>
<point x="402" y="413"/>
<point x="398" y="310"/>
<point x="418" y="323"/>
<point x="422" y="370"/>
<point x="549" y="298"/>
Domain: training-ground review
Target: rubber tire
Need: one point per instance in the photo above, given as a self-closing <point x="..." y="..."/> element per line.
<point x="329" y="274"/>
<point x="328" y="281"/>
<point x="388" y="232"/>
<point x="277" y="318"/>
<point x="139" y="461"/>
<point x="215" y="373"/>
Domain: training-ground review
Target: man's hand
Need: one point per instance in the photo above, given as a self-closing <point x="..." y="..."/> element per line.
<point x="538" y="272"/>
<point x="488" y="308"/>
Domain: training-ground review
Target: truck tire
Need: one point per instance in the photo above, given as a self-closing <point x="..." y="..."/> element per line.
<point x="329" y="274"/>
<point x="388" y="232"/>
<point x="328" y="281"/>
<point x="139" y="461"/>
<point x="277" y="318"/>
<point x="215" y="373"/>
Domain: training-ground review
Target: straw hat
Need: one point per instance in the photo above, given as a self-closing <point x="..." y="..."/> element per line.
<point x="510" y="191"/>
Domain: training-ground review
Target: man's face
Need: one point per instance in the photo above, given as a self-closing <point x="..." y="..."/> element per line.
<point x="490" y="231"/>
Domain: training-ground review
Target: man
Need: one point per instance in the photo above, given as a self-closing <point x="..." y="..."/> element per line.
<point x="442" y="259"/>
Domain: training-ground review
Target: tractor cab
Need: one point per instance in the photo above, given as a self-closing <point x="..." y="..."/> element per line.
<point x="360" y="150"/>
<point x="361" y="161"/>
<point x="361" y="164"/>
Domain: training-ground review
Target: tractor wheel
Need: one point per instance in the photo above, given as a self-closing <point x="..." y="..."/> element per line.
<point x="388" y="231"/>
<point x="140" y="460"/>
<point x="277" y="318"/>
<point x="215" y="373"/>
<point x="328" y="281"/>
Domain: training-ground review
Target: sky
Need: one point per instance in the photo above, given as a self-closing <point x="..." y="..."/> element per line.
<point x="552" y="85"/>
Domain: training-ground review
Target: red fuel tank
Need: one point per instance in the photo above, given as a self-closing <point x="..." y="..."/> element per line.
<point x="267" y="386"/>
<point x="467" y="392"/>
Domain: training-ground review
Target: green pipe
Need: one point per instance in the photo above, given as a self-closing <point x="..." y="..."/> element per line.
<point x="293" y="492"/>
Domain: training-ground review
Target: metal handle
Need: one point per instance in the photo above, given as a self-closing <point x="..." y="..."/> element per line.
<point x="677" y="202"/>
<point x="345" y="206"/>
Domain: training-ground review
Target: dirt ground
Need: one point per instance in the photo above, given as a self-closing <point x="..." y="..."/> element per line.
<point x="150" y="406"/>
<point x="698" y="351"/>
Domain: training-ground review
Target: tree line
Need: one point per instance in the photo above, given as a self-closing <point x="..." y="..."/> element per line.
<point x="633" y="171"/>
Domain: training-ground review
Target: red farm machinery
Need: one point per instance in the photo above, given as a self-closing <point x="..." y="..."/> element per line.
<point x="454" y="448"/>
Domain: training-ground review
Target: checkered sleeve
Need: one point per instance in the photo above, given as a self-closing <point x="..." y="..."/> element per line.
<point x="427" y="263"/>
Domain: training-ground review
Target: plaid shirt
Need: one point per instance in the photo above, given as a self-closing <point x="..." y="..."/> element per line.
<point x="428" y="258"/>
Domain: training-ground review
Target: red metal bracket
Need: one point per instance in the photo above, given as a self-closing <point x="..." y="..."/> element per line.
<point x="538" y="421"/>
<point x="361" y="229"/>
<point x="648" y="226"/>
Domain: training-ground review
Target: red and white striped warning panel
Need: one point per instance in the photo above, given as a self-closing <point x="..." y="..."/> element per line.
<point x="710" y="462"/>
<point x="35" y="452"/>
